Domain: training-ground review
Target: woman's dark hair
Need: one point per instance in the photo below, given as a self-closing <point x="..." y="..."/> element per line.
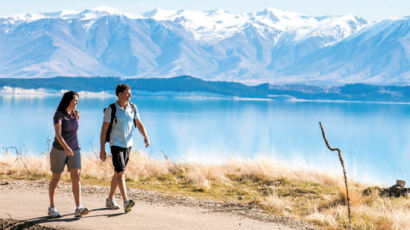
<point x="65" y="101"/>
<point x="121" y="87"/>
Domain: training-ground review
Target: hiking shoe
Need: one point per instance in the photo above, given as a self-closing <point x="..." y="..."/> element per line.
<point x="53" y="213"/>
<point x="80" y="211"/>
<point x="111" y="204"/>
<point x="128" y="204"/>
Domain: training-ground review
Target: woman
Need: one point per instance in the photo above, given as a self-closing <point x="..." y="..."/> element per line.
<point x="66" y="151"/>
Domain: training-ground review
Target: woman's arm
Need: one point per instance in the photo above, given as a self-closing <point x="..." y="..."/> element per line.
<point x="67" y="149"/>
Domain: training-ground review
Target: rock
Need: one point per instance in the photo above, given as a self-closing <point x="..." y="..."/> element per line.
<point x="395" y="190"/>
<point x="401" y="183"/>
<point x="372" y="190"/>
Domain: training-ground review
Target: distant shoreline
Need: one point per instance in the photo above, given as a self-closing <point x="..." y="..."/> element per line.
<point x="187" y="87"/>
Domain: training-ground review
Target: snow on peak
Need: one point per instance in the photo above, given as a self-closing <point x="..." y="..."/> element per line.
<point x="214" y="25"/>
<point x="204" y="25"/>
<point x="86" y="14"/>
<point x="276" y="14"/>
<point x="23" y="17"/>
<point x="303" y="26"/>
<point x="107" y="9"/>
<point x="159" y="14"/>
<point x="102" y="11"/>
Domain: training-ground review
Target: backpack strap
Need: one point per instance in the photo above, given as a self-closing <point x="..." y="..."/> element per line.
<point x="134" y="109"/>
<point x="113" y="112"/>
<point x="113" y="117"/>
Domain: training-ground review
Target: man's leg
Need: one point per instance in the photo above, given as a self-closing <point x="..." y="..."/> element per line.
<point x="114" y="186"/>
<point x="119" y="159"/>
<point x="110" y="202"/>
<point x="119" y="166"/>
<point x="128" y="203"/>
<point x="122" y="185"/>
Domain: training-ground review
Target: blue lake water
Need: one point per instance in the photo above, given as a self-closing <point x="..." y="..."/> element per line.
<point x="374" y="138"/>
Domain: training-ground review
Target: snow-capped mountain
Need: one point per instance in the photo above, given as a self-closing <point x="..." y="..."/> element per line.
<point x="267" y="46"/>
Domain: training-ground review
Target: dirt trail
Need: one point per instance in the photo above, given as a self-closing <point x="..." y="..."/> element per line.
<point x="30" y="205"/>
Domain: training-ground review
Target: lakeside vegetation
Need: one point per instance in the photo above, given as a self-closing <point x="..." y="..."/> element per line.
<point x="348" y="92"/>
<point x="262" y="183"/>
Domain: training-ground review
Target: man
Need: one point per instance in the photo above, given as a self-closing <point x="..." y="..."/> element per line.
<point x="120" y="138"/>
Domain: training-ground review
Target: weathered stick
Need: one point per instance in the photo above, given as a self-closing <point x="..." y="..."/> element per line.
<point x="173" y="163"/>
<point x="344" y="172"/>
<point x="20" y="157"/>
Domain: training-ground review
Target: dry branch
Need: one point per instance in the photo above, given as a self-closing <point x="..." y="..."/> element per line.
<point x="19" y="157"/>
<point x="344" y="172"/>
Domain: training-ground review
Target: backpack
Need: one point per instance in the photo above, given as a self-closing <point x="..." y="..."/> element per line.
<point x="114" y="119"/>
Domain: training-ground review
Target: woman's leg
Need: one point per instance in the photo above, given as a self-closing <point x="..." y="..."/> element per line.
<point x="53" y="187"/>
<point x="76" y="187"/>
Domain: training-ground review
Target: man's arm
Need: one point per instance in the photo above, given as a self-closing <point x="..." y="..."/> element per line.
<point x="102" y="140"/>
<point x="143" y="132"/>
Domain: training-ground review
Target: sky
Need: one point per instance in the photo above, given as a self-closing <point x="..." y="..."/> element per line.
<point x="368" y="9"/>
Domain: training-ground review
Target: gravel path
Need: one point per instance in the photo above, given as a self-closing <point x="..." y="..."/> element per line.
<point x="27" y="201"/>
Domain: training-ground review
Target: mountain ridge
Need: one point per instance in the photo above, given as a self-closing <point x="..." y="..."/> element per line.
<point x="267" y="46"/>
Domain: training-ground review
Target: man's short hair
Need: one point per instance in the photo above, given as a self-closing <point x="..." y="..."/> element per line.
<point x="121" y="87"/>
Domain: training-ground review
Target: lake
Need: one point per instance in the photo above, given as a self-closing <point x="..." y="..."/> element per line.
<point x="373" y="137"/>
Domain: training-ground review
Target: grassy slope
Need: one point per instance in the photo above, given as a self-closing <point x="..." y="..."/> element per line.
<point x="263" y="183"/>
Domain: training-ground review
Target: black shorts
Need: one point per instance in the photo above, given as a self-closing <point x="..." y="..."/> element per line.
<point x="120" y="157"/>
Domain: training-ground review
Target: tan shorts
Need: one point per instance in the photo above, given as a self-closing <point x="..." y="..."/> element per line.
<point x="58" y="159"/>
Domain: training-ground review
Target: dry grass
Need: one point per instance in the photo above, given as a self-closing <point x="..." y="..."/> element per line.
<point x="304" y="194"/>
